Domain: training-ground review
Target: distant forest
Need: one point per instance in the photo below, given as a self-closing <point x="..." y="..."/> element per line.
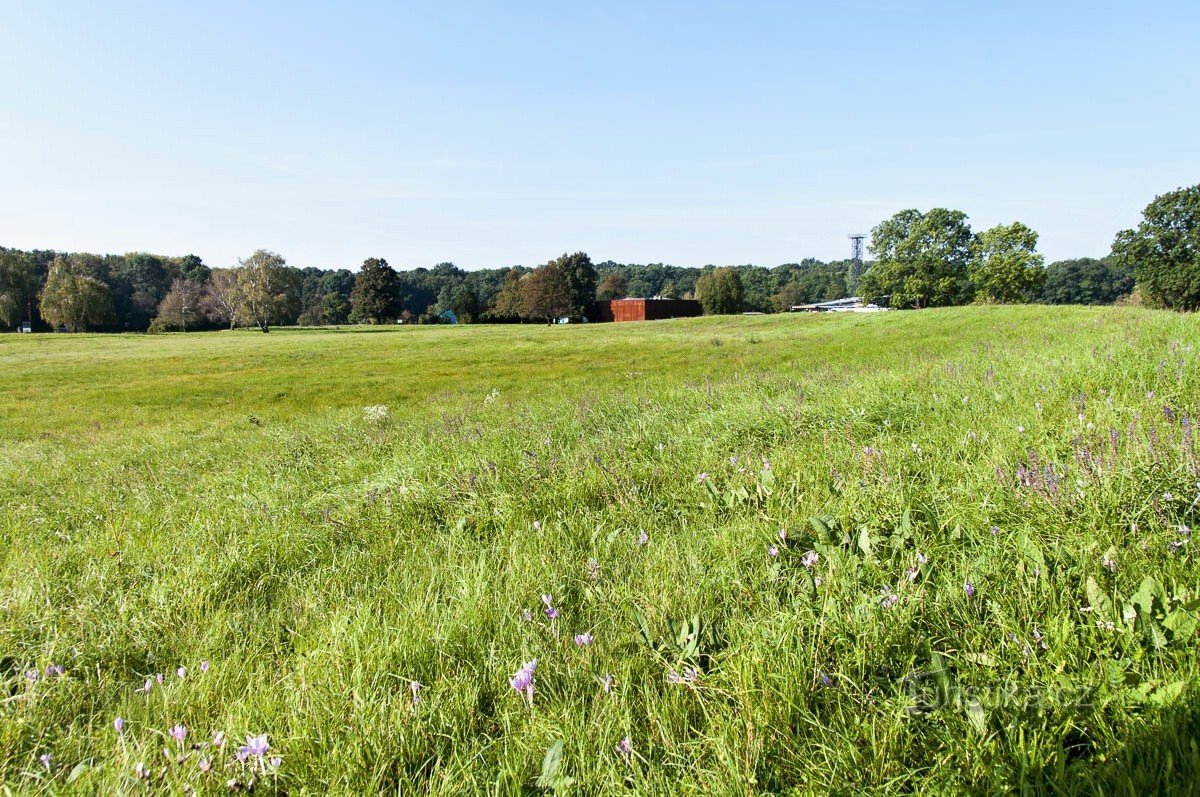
<point x="138" y="291"/>
<point x="920" y="259"/>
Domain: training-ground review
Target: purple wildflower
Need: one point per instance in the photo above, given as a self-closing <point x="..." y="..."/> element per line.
<point x="551" y="612"/>
<point x="149" y="685"/>
<point x="921" y="558"/>
<point x="584" y="640"/>
<point x="912" y="574"/>
<point x="537" y="525"/>
<point x="204" y="666"/>
<point x="522" y="681"/>
<point x="31" y="675"/>
<point x="809" y="559"/>
<point x="141" y="770"/>
<point x="889" y="599"/>
<point x="255" y="746"/>
<point x="783" y="536"/>
<point x="204" y="764"/>
<point x="606" y="683"/>
<point x="218" y="739"/>
<point x="55" y="669"/>
<point x="178" y="733"/>
<point x="825" y="680"/>
<point x="643" y="537"/>
<point x="689" y="676"/>
<point x="772" y="551"/>
<point x="702" y="477"/>
<point x="181" y="672"/>
<point x="45" y="758"/>
<point x="969" y="588"/>
<point x="119" y="725"/>
<point x="625" y="749"/>
<point x="159" y="678"/>
<point x="275" y="762"/>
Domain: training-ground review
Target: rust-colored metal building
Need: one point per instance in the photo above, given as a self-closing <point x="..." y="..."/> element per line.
<point x="645" y="309"/>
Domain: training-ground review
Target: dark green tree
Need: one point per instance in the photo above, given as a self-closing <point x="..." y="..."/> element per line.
<point x="921" y="259"/>
<point x="1164" y="250"/>
<point x="18" y="287"/>
<point x="376" y="294"/>
<point x="1086" y="280"/>
<point x="580" y="276"/>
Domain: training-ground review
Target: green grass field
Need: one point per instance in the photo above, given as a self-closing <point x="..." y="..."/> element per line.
<point x="940" y="551"/>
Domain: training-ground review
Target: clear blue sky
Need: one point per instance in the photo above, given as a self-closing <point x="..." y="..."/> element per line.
<point x="490" y="134"/>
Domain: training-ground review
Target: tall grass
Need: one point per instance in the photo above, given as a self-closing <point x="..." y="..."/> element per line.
<point x="942" y="551"/>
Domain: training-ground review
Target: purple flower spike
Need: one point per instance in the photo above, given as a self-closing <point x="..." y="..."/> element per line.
<point x="825" y="680"/>
<point x="625" y="749"/>
<point x="969" y="588"/>
<point x="551" y="612"/>
<point x="584" y="640"/>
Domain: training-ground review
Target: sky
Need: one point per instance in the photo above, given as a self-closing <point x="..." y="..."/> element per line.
<point x="494" y="134"/>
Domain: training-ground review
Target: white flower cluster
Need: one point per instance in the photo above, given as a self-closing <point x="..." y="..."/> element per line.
<point x="376" y="414"/>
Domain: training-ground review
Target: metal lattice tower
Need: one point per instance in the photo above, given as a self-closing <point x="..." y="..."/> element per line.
<point x="856" y="260"/>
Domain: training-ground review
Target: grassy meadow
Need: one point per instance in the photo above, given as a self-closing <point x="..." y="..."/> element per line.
<point x="943" y="551"/>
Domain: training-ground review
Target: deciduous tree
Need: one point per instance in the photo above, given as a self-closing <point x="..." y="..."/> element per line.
<point x="921" y="259"/>
<point x="72" y="298"/>
<point x="376" y="294"/>
<point x="1086" y="280"/>
<point x="18" y="286"/>
<point x="1164" y="250"/>
<point x="1005" y="265"/>
<point x="720" y="291"/>
<point x="613" y="286"/>
<point x="182" y="308"/>
<point x="264" y="283"/>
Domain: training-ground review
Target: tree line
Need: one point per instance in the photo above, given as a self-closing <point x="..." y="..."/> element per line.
<point x="920" y="259"/>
